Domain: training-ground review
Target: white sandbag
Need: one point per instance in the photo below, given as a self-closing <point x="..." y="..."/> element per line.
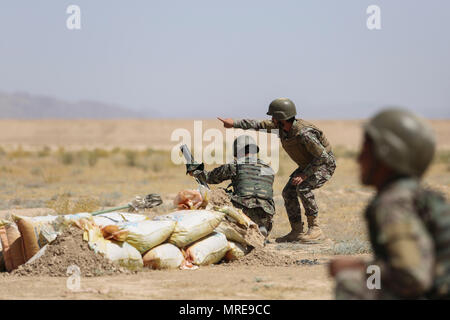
<point x="144" y="235"/>
<point x="70" y="219"/>
<point x="191" y="225"/>
<point x="122" y="253"/>
<point x="236" y="215"/>
<point x="232" y="232"/>
<point x="244" y="235"/>
<point x="110" y="218"/>
<point x="208" y="250"/>
<point x="235" y="251"/>
<point x="165" y="256"/>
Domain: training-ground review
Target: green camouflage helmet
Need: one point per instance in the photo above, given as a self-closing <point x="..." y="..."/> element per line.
<point x="244" y="144"/>
<point x="402" y="141"/>
<point x="282" y="109"/>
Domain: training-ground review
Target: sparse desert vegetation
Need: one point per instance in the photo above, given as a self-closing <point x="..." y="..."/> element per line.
<point x="39" y="178"/>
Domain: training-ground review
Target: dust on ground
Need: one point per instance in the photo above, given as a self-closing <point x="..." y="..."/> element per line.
<point x="263" y="257"/>
<point x="218" y="197"/>
<point x="69" y="249"/>
<point x="284" y="255"/>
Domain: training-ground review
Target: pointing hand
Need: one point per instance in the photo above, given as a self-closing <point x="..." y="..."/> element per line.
<point x="227" y="123"/>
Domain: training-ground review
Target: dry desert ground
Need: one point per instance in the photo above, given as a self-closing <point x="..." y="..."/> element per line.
<point x="61" y="166"/>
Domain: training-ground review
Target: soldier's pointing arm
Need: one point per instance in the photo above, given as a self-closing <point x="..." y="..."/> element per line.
<point x="254" y="124"/>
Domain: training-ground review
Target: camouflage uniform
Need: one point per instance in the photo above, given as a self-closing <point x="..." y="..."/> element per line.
<point x="403" y="247"/>
<point x="314" y="157"/>
<point x="258" y="208"/>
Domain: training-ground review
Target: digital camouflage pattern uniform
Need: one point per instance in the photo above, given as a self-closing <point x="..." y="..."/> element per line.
<point x="252" y="182"/>
<point x="309" y="148"/>
<point x="402" y="246"/>
<point x="409" y="226"/>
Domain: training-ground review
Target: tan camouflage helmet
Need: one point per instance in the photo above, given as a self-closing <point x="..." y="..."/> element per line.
<point x="282" y="109"/>
<point x="402" y="141"/>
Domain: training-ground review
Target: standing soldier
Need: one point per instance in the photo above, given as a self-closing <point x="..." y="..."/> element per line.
<point x="308" y="147"/>
<point x="409" y="227"/>
<point x="252" y="182"/>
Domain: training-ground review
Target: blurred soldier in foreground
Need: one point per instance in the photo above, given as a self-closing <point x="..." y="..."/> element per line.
<point x="409" y="227"/>
<point x="309" y="148"/>
<point x="252" y="182"/>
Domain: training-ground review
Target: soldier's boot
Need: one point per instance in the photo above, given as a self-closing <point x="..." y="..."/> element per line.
<point x="294" y="235"/>
<point x="314" y="233"/>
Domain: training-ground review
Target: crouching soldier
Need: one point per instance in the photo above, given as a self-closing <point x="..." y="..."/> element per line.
<point x="252" y="182"/>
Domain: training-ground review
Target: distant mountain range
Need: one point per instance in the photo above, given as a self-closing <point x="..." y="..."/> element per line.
<point x="28" y="106"/>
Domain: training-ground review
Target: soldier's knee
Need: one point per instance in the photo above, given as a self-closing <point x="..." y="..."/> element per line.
<point x="305" y="194"/>
<point x="288" y="192"/>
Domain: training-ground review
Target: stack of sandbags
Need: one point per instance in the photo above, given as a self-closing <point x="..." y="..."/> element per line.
<point x="36" y="232"/>
<point x="188" y="238"/>
<point x="22" y="238"/>
<point x="182" y="239"/>
<point x="194" y="236"/>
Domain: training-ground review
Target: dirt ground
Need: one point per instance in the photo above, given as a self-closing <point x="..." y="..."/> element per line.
<point x="43" y="182"/>
<point x="307" y="280"/>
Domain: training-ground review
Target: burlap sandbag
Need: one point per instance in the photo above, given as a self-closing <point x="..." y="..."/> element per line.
<point x="36" y="232"/>
<point x="11" y="240"/>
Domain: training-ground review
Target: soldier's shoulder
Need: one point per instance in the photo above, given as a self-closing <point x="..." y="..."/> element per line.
<point x="399" y="190"/>
<point x="396" y="202"/>
<point x="304" y="128"/>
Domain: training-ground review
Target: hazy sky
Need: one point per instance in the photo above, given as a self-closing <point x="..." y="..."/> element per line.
<point x="211" y="58"/>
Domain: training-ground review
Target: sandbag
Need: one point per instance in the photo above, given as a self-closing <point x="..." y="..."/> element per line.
<point x="2" y="262"/>
<point x="71" y="219"/>
<point x="36" y="232"/>
<point x="119" y="252"/>
<point x="238" y="233"/>
<point x="124" y="254"/>
<point x="235" y="215"/>
<point x="235" y="251"/>
<point x="191" y="225"/>
<point x="165" y="256"/>
<point x="208" y="250"/>
<point x="114" y="218"/>
<point x="144" y="235"/>
<point x="11" y="241"/>
<point x="233" y="233"/>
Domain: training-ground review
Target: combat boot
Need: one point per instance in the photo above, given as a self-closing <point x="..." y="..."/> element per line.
<point x="314" y="232"/>
<point x="294" y="235"/>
